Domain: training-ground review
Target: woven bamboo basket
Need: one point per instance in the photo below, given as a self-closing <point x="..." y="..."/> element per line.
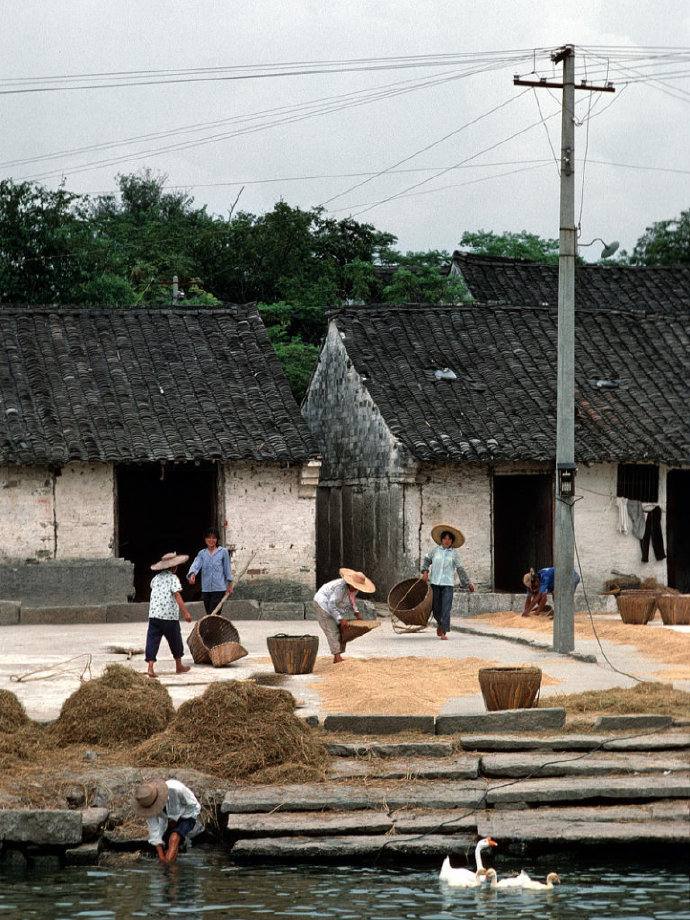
<point x="636" y="607"/>
<point x="510" y="688"/>
<point x="411" y="601"/>
<point x="353" y="629"/>
<point x="674" y="609"/>
<point x="292" y="654"/>
<point x="226" y="653"/>
<point x="208" y="632"/>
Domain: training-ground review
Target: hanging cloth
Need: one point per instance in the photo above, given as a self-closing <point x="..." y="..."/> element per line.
<point x="652" y="531"/>
<point x="622" y="515"/>
<point x="637" y="518"/>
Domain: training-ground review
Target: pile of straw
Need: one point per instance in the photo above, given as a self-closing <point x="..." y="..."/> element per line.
<point x="235" y="729"/>
<point x="122" y="706"/>
<point x="12" y="714"/>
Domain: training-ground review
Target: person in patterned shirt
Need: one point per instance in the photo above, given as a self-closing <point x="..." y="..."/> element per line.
<point x="164" y="612"/>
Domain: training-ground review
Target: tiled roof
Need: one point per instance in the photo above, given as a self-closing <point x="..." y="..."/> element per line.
<point x="605" y="287"/>
<point x="632" y="372"/>
<point x="133" y="385"/>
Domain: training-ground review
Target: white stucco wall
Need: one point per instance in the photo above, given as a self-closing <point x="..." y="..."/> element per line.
<point x="27" y="529"/>
<point x="271" y="516"/>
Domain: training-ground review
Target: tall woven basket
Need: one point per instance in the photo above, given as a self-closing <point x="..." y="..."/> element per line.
<point x="292" y="654"/>
<point x="674" y="609"/>
<point x="510" y="688"/>
<point x="636" y="607"/>
<point x="410" y="601"/>
<point x="209" y="632"/>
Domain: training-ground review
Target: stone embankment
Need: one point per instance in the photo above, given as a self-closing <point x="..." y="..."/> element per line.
<point x="428" y="797"/>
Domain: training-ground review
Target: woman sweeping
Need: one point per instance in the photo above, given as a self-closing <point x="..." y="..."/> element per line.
<point x="444" y="562"/>
<point x="335" y="602"/>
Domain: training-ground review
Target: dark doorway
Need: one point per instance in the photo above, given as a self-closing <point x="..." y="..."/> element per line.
<point x="678" y="529"/>
<point x="523" y="528"/>
<point x="162" y="509"/>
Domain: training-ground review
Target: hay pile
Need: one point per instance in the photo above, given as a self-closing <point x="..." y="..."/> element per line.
<point x="19" y="736"/>
<point x="12" y="714"/>
<point x="122" y="706"/>
<point x="646" y="697"/>
<point x="235" y="729"/>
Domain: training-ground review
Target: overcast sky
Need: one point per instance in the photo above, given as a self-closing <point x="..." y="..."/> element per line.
<point x="466" y="151"/>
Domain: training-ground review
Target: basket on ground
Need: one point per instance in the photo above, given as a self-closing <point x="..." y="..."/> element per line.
<point x="510" y="688"/>
<point x="353" y="629"/>
<point x="292" y="654"/>
<point x="226" y="653"/>
<point x="411" y="601"/>
<point x="674" y="609"/>
<point x="636" y="607"/>
<point x="209" y="632"/>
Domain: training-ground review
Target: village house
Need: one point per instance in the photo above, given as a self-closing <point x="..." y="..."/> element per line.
<point x="425" y="414"/>
<point x="126" y="432"/>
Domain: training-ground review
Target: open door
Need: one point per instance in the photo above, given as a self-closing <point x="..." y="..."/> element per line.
<point x="678" y="529"/>
<point x="523" y="527"/>
<point x="163" y="509"/>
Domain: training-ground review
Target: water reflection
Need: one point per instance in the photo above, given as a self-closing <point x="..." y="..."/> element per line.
<point x="201" y="886"/>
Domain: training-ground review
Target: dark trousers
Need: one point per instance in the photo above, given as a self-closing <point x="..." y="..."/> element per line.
<point x="652" y="530"/>
<point x="211" y="599"/>
<point x="442" y="603"/>
<point x="170" y="629"/>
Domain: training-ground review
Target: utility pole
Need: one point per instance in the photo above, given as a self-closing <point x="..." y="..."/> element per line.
<point x="564" y="537"/>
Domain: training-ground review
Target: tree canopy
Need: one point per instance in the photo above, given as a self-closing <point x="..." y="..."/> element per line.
<point x="666" y="242"/>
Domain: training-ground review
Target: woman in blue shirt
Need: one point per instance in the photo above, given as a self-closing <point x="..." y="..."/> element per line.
<point x="444" y="562"/>
<point x="216" y="573"/>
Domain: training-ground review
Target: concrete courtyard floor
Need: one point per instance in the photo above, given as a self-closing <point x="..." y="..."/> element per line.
<point x="43" y="665"/>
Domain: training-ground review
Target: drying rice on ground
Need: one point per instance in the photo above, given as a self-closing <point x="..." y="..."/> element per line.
<point x="398" y="686"/>
<point x="646" y="697"/>
<point x="235" y="729"/>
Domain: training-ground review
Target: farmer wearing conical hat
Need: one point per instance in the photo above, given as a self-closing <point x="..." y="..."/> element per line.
<point x="164" y="612"/>
<point x="444" y="562"/>
<point x="335" y="602"/>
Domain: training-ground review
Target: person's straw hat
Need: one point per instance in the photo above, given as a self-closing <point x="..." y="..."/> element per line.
<point x="358" y="581"/>
<point x="169" y="561"/>
<point x="438" y="529"/>
<point x="150" y="798"/>
<point x="527" y="579"/>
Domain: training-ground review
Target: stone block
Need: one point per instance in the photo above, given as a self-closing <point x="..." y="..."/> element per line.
<point x="241" y="610"/>
<point x="9" y="613"/>
<point x="503" y="720"/>
<point x="631" y="722"/>
<point x="67" y="582"/>
<point x="85" y="855"/>
<point x="379" y="725"/>
<point x="93" y="822"/>
<point x="127" y="613"/>
<point x="62" y="616"/>
<point x="286" y="610"/>
<point x="461" y="604"/>
<point x="41" y="827"/>
<point x="489" y="603"/>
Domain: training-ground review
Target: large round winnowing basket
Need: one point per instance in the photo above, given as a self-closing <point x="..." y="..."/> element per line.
<point x="636" y="607"/>
<point x="674" y="609"/>
<point x="208" y="632"/>
<point x="292" y="654"/>
<point x="353" y="629"/>
<point x="226" y="653"/>
<point x="411" y="601"/>
<point x="510" y="688"/>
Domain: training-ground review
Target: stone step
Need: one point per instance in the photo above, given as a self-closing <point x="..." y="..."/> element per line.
<point x="582" y="789"/>
<point x="426" y="768"/>
<point x="599" y="764"/>
<point x="308" y="824"/>
<point x="393" y="749"/>
<point x="658" y="741"/>
<point x="332" y="849"/>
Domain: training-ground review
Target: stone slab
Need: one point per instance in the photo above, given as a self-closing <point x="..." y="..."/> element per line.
<point x="242" y="610"/>
<point x="379" y="724"/>
<point x="308" y="824"/>
<point x="631" y="722"/>
<point x="85" y="855"/>
<point x="503" y="720"/>
<point x="405" y="749"/>
<point x="9" y="613"/>
<point x="432" y="821"/>
<point x="582" y="789"/>
<point x="339" y="848"/>
<point x="560" y="831"/>
<point x="93" y="821"/>
<point x="285" y="610"/>
<point x="63" y="616"/>
<point x="598" y="764"/>
<point x="41" y="827"/>
<point x="127" y="613"/>
<point x="665" y="741"/>
<point x="450" y="768"/>
<point x="339" y="797"/>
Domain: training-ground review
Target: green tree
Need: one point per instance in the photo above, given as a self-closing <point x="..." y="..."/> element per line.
<point x="666" y="242"/>
<point x="522" y="245"/>
<point x="422" y="277"/>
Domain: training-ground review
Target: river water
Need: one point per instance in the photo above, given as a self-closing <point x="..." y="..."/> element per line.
<point x="201" y="886"/>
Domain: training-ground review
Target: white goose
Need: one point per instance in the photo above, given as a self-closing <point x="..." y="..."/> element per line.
<point x="534" y="885"/>
<point x="513" y="881"/>
<point x="465" y="878"/>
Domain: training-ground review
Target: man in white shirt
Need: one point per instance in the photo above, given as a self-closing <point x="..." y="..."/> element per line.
<point x="171" y="811"/>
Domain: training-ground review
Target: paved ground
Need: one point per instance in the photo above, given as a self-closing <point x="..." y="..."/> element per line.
<point x="42" y="665"/>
